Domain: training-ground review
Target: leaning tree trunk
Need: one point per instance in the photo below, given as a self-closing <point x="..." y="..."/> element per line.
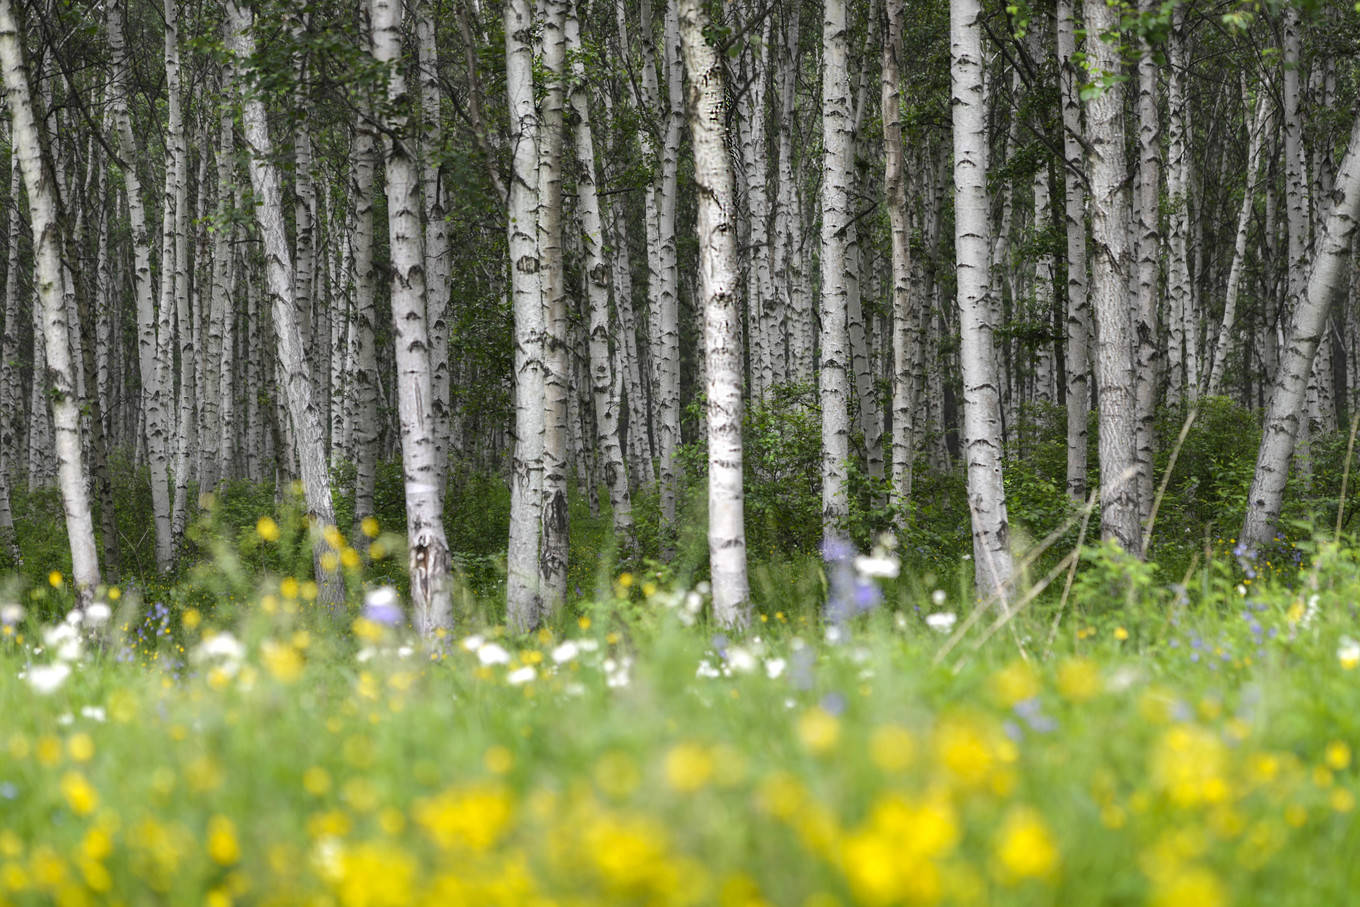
<point x="977" y="358"/>
<point x="523" y="600"/>
<point x="833" y="385"/>
<point x="1119" y="513"/>
<point x="597" y="276"/>
<point x="296" y="377"/>
<point x="1327" y="278"/>
<point x="429" y="552"/>
<point x="718" y="277"/>
<point x="60" y="374"/>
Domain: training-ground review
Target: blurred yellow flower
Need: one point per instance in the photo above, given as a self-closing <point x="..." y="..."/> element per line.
<point x="818" y="730"/>
<point x="1189" y="886"/>
<point x="288" y="587"/>
<point x="54" y="579"/>
<point x="892" y="748"/>
<point x="1121" y="634"/>
<point x="1338" y="755"/>
<point x="369" y="527"/>
<point x="1014" y="683"/>
<point x="1078" y="679"/>
<point x="1025" y="848"/>
<point x="688" y="767"/>
<point x="81" y="747"/>
<point x="1187" y="764"/>
<point x="267" y="529"/>
<point x="473" y="817"/>
<point x="222" y="845"/>
<point x="282" y="661"/>
<point x="316" y="781"/>
<point x="966" y="749"/>
<point x="79" y="794"/>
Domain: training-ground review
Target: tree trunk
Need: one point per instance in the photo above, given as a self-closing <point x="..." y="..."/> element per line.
<point x="981" y="392"/>
<point x="428" y="550"/>
<point x="903" y="315"/>
<point x="1326" y="279"/>
<point x="523" y="600"/>
<point x="1147" y="351"/>
<point x="718" y="273"/>
<point x="1119" y="511"/>
<point x="59" y="377"/>
<point x="296" y="377"/>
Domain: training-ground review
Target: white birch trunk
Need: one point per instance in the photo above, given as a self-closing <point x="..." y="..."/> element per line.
<point x="977" y="359"/>
<point x="903" y="315"/>
<point x="429" y="560"/>
<point x="59" y="377"/>
<point x="155" y="416"/>
<point x="1177" y="185"/>
<point x="597" y="277"/>
<point x="718" y="273"/>
<point x="1148" y="217"/>
<point x="1327" y="278"/>
<point x="838" y="159"/>
<point x="1218" y="363"/>
<point x="1078" y="319"/>
<point x="1119" y="511"/>
<point x="296" y="378"/>
<point x="523" y="600"/>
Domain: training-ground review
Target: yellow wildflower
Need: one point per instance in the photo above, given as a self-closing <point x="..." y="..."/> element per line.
<point x="689" y="767"/>
<point x="79" y="794"/>
<point x="1025" y="848"/>
<point x="267" y="529"/>
<point x="222" y="845"/>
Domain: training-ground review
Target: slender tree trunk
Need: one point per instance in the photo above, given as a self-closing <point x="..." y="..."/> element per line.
<point x="523" y="599"/>
<point x="175" y="270"/>
<point x="1078" y="320"/>
<point x="981" y="391"/>
<point x="1326" y="280"/>
<point x="366" y="428"/>
<point x="154" y="412"/>
<point x="903" y="315"/>
<point x="47" y="244"/>
<point x="838" y="159"/>
<point x="296" y="378"/>
<point x="597" y="277"/>
<point x="1147" y="363"/>
<point x="718" y="273"/>
<point x="428" y="550"/>
<point x="1119" y="511"/>
<point x="1218" y="364"/>
<point x="668" y="309"/>
<point x="557" y="378"/>
<point x="1177" y="185"/>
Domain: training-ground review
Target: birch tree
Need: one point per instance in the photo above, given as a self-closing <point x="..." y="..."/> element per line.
<point x="1119" y="511"/>
<point x="977" y="358"/>
<point x="895" y="190"/>
<point x="296" y="378"/>
<point x="1327" y="278"/>
<point x="60" y="376"/>
<point x="523" y="599"/>
<point x="837" y="161"/>
<point x="429" y="560"/>
<point x="718" y="277"/>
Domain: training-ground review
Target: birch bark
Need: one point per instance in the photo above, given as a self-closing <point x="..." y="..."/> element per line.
<point x="718" y="274"/>
<point x="977" y="359"/>
<point x="296" y="377"/>
<point x="1078" y="320"/>
<point x="60" y="373"/>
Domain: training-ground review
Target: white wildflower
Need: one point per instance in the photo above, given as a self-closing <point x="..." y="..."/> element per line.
<point x="942" y="621"/>
<point x="565" y="652"/>
<point x="938" y="597"/>
<point x="472" y="643"/>
<point x="521" y="676"/>
<point x="48" y="678"/>
<point x="93" y="713"/>
<point x="11" y="614"/>
<point x="706" y="669"/>
<point x="492" y="654"/>
<point x="740" y="660"/>
<point x="774" y="667"/>
<point x="878" y="566"/>
<point x="381" y="597"/>
<point x="98" y="614"/>
<point x="220" y="646"/>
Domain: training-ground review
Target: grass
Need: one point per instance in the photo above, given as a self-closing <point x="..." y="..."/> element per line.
<point x="1194" y="745"/>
